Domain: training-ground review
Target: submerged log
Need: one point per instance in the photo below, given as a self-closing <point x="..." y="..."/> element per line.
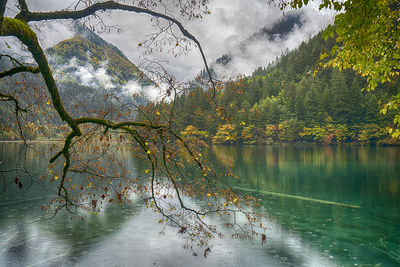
<point x="299" y="197"/>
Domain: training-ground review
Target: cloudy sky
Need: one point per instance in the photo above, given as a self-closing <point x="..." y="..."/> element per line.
<point x="226" y="30"/>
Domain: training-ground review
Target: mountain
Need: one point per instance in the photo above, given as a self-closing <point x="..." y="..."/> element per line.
<point x="87" y="68"/>
<point x="281" y="28"/>
<point x="92" y="75"/>
<point x="285" y="102"/>
<point x="91" y="51"/>
<point x="263" y="45"/>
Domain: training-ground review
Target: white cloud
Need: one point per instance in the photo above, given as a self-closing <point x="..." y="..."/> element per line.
<point x="86" y="74"/>
<point x="52" y="32"/>
<point x="228" y="25"/>
<point x="250" y="54"/>
<point x="156" y="93"/>
<point x="98" y="78"/>
<point x="131" y="87"/>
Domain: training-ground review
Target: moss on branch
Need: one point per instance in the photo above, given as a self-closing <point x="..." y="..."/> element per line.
<point x="19" y="69"/>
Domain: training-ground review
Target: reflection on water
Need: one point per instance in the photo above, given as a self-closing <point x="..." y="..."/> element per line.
<point x="364" y="176"/>
<point x="303" y="233"/>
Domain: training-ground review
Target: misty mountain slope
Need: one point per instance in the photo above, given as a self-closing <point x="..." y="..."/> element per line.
<point x="265" y="44"/>
<point x="92" y="76"/>
<point x="87" y="68"/>
<point x="282" y="28"/>
<point x="285" y="102"/>
<point x="83" y="31"/>
<point x="68" y="55"/>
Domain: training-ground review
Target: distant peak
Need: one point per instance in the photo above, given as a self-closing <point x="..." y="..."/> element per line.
<point x="87" y="48"/>
<point x="281" y="28"/>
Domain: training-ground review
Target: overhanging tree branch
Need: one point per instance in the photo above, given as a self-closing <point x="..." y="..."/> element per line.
<point x="28" y="16"/>
<point x="23" y="5"/>
<point x="4" y="97"/>
<point x="3" y="4"/>
<point x="19" y="69"/>
<point x="21" y="30"/>
<point x="141" y="132"/>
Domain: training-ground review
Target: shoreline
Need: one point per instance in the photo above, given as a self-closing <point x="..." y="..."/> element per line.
<point x="234" y="144"/>
<point x="44" y="142"/>
<point x="31" y="141"/>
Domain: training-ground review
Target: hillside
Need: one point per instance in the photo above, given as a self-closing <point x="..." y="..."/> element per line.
<point x="286" y="103"/>
<point x="67" y="55"/>
<point x="263" y="44"/>
<point x="93" y="76"/>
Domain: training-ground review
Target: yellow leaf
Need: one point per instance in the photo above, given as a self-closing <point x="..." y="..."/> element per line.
<point x="209" y="195"/>
<point x="147" y="171"/>
<point x="158" y="113"/>
<point x="323" y="55"/>
<point x="48" y="102"/>
<point x="148" y="152"/>
<point x="56" y="177"/>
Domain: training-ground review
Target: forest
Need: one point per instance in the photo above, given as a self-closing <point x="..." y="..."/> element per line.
<point x="291" y="100"/>
<point x="95" y="172"/>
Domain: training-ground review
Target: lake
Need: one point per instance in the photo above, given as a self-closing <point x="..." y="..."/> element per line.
<point x="328" y="206"/>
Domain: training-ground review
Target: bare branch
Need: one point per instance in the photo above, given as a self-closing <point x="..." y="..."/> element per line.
<point x="21" y="30"/>
<point x="4" y="97"/>
<point x="23" y="5"/>
<point x="3" y="4"/>
<point x="164" y="142"/>
<point x="19" y="69"/>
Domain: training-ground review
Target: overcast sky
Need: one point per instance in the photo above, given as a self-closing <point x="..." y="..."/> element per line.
<point x="225" y="30"/>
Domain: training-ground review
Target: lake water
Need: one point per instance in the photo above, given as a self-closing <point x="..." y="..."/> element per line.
<point x="301" y="188"/>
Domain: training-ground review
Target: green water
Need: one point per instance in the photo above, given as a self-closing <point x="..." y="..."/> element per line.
<point x="303" y="232"/>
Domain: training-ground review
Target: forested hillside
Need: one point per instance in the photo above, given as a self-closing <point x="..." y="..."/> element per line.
<point x="285" y="102"/>
<point x="93" y="76"/>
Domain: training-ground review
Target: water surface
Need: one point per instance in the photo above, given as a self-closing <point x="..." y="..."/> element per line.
<point x="303" y="232"/>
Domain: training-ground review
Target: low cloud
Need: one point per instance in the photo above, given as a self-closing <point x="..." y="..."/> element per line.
<point x="260" y="50"/>
<point x="97" y="77"/>
<point x="150" y="92"/>
<point x="52" y="32"/>
<point x="224" y="31"/>
<point x="132" y="87"/>
<point x="85" y="74"/>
